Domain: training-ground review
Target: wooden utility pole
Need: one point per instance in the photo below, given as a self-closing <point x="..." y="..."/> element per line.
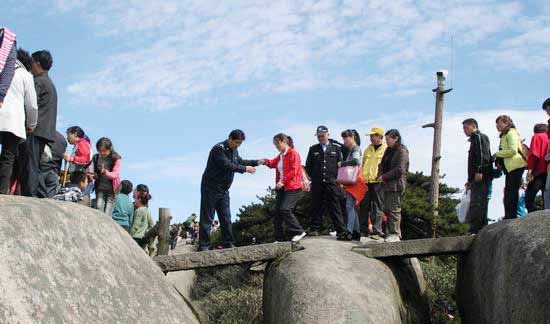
<point x="164" y="231"/>
<point x="436" y="155"/>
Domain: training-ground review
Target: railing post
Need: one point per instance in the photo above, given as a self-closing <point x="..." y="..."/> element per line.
<point x="163" y="245"/>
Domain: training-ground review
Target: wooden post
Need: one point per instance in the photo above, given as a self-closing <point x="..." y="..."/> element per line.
<point x="436" y="155"/>
<point x="163" y="245"/>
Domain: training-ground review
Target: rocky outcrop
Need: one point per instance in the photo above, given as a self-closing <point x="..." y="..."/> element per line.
<point x="328" y="283"/>
<point x="505" y="278"/>
<point x="65" y="263"/>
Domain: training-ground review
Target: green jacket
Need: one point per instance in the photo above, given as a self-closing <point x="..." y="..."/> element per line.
<point x="509" y="151"/>
<point x="142" y="222"/>
<point x="123" y="212"/>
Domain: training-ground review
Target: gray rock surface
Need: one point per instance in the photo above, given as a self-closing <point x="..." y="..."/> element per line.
<point x="505" y="278"/>
<point x="66" y="263"/>
<point x="328" y="283"/>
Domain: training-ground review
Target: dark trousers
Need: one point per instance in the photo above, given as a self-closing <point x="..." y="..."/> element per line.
<point x="326" y="197"/>
<point x="511" y="193"/>
<point x="372" y="206"/>
<point x="285" y="202"/>
<point x="30" y="153"/>
<point x="533" y="188"/>
<point x="213" y="202"/>
<point x="479" y="203"/>
<point x="9" y="143"/>
<point x="48" y="183"/>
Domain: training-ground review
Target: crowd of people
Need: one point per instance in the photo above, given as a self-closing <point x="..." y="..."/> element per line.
<point x="33" y="150"/>
<point x="362" y="191"/>
<point x="358" y="191"/>
<point x="511" y="161"/>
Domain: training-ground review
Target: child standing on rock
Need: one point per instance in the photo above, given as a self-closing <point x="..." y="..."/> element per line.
<point x="143" y="221"/>
<point x="106" y="168"/>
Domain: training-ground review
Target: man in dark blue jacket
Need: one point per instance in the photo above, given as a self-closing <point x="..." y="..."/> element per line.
<point x="223" y="162"/>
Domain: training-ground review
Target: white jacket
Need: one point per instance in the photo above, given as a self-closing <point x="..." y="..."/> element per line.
<point x="20" y="108"/>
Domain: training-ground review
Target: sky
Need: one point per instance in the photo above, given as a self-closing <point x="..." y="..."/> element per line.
<point x="167" y="80"/>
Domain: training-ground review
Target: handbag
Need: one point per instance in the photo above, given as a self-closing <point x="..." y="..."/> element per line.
<point x="348" y="175"/>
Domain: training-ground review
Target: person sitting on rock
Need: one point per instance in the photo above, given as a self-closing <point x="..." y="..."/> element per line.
<point x="73" y="190"/>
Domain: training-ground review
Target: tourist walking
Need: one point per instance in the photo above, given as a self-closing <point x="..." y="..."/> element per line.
<point x="322" y="166"/>
<point x="510" y="160"/>
<point x="223" y="162"/>
<point x="143" y="221"/>
<point x="354" y="188"/>
<point x="480" y="169"/>
<point x="123" y="211"/>
<point x="30" y="152"/>
<point x="106" y="168"/>
<point x="288" y="185"/>
<point x="372" y="204"/>
<point x="18" y="116"/>
<point x="393" y="176"/>
<point x="537" y="166"/>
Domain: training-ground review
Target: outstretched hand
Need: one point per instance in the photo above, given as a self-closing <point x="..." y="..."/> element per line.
<point x="262" y="161"/>
<point x="250" y="169"/>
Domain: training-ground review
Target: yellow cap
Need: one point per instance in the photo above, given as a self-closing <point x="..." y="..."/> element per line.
<point x="376" y="131"/>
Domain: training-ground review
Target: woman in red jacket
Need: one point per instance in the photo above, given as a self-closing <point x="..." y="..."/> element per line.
<point x="81" y="157"/>
<point x="288" y="186"/>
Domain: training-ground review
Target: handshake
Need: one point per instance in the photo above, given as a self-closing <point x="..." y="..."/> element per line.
<point x="252" y="170"/>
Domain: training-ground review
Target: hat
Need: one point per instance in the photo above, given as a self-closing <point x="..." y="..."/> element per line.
<point x="321" y="130"/>
<point x="376" y="131"/>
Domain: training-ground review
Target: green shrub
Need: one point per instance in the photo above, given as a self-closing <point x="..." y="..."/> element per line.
<point x="229" y="295"/>
<point x="440" y="276"/>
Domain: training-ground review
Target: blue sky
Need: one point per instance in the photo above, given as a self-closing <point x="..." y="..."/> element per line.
<point x="166" y="80"/>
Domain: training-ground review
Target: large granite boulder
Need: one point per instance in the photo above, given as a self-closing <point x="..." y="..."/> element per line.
<point x="328" y="283"/>
<point x="505" y="278"/>
<point x="66" y="263"/>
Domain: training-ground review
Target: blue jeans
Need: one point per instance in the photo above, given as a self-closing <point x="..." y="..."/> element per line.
<point x="105" y="202"/>
<point x="213" y="202"/>
<point x="353" y="217"/>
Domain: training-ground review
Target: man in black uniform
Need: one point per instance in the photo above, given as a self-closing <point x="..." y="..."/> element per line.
<point x="223" y="162"/>
<point x="321" y="165"/>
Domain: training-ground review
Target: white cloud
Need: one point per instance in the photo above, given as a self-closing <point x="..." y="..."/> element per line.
<point x="173" y="53"/>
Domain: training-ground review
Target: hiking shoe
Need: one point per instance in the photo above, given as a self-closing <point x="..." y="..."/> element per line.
<point x="297" y="238"/>
<point x="375" y="237"/>
<point x="392" y="238"/>
<point x="313" y="233"/>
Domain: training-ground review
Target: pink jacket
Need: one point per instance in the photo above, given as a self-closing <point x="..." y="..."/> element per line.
<point x="114" y="175"/>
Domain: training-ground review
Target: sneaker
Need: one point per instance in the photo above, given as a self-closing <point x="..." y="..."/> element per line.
<point x="375" y="237"/>
<point x="356" y="236"/>
<point x="333" y="234"/>
<point x="297" y="238"/>
<point x="313" y="233"/>
<point x="392" y="238"/>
